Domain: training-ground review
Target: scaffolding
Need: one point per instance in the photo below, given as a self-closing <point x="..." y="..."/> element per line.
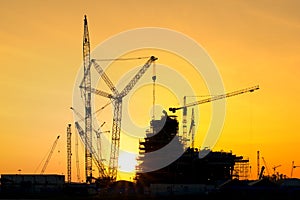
<point x="241" y="169"/>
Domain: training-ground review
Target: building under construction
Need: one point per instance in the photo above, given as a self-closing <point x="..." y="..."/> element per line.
<point x="188" y="168"/>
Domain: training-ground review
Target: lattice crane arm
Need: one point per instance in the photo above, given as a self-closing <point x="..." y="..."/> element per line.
<point x="117" y="118"/>
<point x="95" y="157"/>
<point x="50" y="155"/>
<point x="105" y="77"/>
<point x="102" y="93"/>
<point x="222" y="96"/>
<point x="82" y="119"/>
<point x="138" y="75"/>
<point x="267" y="168"/>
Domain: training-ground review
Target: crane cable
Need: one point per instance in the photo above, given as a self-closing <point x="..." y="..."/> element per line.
<point x="122" y="59"/>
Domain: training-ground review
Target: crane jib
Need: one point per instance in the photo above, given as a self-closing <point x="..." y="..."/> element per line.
<point x="222" y="96"/>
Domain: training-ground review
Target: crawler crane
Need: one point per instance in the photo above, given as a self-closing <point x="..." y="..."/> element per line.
<point x="116" y="98"/>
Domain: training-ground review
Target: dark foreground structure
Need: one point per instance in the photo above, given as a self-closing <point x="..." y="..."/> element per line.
<point x="188" y="168"/>
<point x="218" y="175"/>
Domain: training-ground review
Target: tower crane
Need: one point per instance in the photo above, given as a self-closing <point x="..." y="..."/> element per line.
<point x="275" y="167"/>
<point x="293" y="167"/>
<point x="116" y="98"/>
<point x="49" y="155"/>
<point x="214" y="98"/>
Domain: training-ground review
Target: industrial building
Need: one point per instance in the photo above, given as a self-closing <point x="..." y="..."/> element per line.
<point x="188" y="173"/>
<point x="32" y="184"/>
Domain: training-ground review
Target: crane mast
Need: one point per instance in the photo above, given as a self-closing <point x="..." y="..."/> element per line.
<point x="69" y="153"/>
<point x="192" y="129"/>
<point x="87" y="96"/>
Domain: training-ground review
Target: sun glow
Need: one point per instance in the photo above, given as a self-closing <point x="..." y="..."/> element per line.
<point x="127" y="162"/>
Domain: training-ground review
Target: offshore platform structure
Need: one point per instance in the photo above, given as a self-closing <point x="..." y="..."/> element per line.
<point x="188" y="168"/>
<point x="116" y="99"/>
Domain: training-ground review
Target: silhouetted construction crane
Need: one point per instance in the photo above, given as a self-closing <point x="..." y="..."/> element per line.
<point x="266" y="166"/>
<point x="82" y="136"/>
<point x="293" y="167"/>
<point x="69" y="153"/>
<point x="116" y="98"/>
<point x="95" y="157"/>
<point x="49" y="155"/>
<point x="98" y="132"/>
<point x="87" y="97"/>
<point x="214" y="98"/>
<point x="77" y="157"/>
<point x="274" y="169"/>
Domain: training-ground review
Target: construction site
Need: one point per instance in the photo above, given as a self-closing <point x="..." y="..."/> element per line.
<point x="216" y="175"/>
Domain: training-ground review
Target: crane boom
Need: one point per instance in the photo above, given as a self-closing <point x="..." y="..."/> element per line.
<point x="95" y="157"/>
<point x="117" y="118"/>
<point x="137" y="77"/>
<point x="98" y="132"/>
<point x="267" y="168"/>
<point x="105" y="77"/>
<point x="117" y="98"/>
<point x="49" y="155"/>
<point x="222" y="96"/>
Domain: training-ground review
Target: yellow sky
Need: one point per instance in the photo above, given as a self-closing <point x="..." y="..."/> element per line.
<point x="251" y="42"/>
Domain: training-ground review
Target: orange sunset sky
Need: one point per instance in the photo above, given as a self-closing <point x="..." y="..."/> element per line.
<point x="252" y="42"/>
